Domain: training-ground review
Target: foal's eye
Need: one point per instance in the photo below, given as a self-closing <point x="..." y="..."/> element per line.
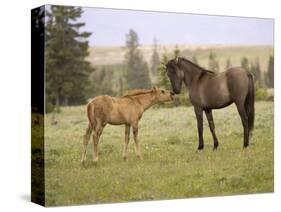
<point x="162" y="91"/>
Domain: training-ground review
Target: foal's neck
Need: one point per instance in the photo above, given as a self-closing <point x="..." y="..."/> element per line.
<point x="146" y="100"/>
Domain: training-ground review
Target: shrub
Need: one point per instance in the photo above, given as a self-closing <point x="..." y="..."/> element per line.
<point x="52" y="108"/>
<point x="261" y="94"/>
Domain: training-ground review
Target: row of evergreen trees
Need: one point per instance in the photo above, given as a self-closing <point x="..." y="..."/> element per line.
<point x="263" y="79"/>
<point x="70" y="79"/>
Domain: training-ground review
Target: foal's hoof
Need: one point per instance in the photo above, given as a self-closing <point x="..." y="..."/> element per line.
<point x="82" y="163"/>
<point x="125" y="158"/>
<point x="139" y="157"/>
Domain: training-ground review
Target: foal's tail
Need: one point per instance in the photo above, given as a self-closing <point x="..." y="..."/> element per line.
<point x="90" y="114"/>
<point x="250" y="102"/>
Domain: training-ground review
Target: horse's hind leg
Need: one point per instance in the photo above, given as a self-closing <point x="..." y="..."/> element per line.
<point x="199" y="117"/>
<point x="244" y="119"/>
<point x="127" y="139"/>
<point x="96" y="137"/>
<point x="137" y="143"/>
<point x="86" y="139"/>
<point x="209" y="116"/>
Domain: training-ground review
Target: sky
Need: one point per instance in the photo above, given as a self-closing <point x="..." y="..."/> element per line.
<point x="110" y="26"/>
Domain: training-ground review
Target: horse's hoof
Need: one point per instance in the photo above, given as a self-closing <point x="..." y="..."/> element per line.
<point x="82" y="163"/>
<point x="95" y="160"/>
<point x="245" y="146"/>
<point x="200" y="147"/>
<point x="216" y="147"/>
<point x="125" y="158"/>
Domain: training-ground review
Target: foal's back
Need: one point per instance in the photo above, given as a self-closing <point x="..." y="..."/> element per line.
<point x="115" y="110"/>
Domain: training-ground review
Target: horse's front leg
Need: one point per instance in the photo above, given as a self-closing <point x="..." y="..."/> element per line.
<point x="199" y="117"/>
<point x="96" y="137"/>
<point x="209" y="116"/>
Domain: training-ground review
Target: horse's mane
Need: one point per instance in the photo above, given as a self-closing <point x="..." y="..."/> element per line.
<point x="197" y="66"/>
<point x="136" y="92"/>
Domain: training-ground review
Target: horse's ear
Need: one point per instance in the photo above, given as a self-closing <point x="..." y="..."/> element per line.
<point x="154" y="88"/>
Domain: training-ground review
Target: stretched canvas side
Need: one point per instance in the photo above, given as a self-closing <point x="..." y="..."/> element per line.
<point x="37" y="105"/>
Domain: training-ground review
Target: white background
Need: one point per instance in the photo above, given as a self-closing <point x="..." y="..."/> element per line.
<point x="15" y="103"/>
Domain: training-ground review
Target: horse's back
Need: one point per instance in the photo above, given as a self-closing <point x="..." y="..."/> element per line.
<point x="213" y="91"/>
<point x="101" y="107"/>
<point x="237" y="81"/>
<point x="115" y="110"/>
<point x="102" y="101"/>
<point x="220" y="90"/>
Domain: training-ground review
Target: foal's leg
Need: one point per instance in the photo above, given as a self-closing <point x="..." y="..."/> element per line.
<point x="135" y="131"/>
<point x="199" y="117"/>
<point x="96" y="138"/>
<point x="209" y="116"/>
<point x="244" y="119"/>
<point x="127" y="139"/>
<point x="85" y="143"/>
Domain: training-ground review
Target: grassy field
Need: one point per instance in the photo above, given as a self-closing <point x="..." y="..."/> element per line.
<point x="171" y="166"/>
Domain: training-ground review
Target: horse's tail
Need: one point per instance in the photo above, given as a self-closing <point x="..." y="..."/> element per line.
<point x="90" y="113"/>
<point x="250" y="102"/>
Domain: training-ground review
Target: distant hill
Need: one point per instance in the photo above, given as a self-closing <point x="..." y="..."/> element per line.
<point x="109" y="55"/>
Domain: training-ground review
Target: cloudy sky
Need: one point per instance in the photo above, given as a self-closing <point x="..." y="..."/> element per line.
<point x="109" y="27"/>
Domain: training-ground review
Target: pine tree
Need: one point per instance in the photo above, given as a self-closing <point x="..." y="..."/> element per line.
<point x="256" y="70"/>
<point x="213" y="63"/>
<point x="245" y="63"/>
<point x="155" y="60"/>
<point x="137" y="76"/>
<point x="228" y="63"/>
<point x="176" y="51"/>
<point x="164" y="81"/>
<point x="270" y="72"/>
<point x="67" y="71"/>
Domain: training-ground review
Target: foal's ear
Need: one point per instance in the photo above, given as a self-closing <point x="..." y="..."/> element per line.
<point x="164" y="64"/>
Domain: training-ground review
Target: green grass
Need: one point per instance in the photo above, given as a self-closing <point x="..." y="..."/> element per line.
<point x="171" y="166"/>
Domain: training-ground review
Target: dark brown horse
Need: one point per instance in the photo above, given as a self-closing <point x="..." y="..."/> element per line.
<point x="209" y="90"/>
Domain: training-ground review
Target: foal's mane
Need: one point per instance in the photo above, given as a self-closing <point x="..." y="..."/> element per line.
<point x="197" y="66"/>
<point x="136" y="92"/>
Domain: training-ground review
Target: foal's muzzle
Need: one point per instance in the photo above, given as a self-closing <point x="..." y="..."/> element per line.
<point x="172" y="94"/>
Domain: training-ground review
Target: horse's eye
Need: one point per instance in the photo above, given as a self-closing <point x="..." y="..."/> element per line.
<point x="162" y="91"/>
<point x="171" y="71"/>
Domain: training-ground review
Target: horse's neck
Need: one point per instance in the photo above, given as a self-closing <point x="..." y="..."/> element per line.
<point x="190" y="74"/>
<point x="146" y="100"/>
